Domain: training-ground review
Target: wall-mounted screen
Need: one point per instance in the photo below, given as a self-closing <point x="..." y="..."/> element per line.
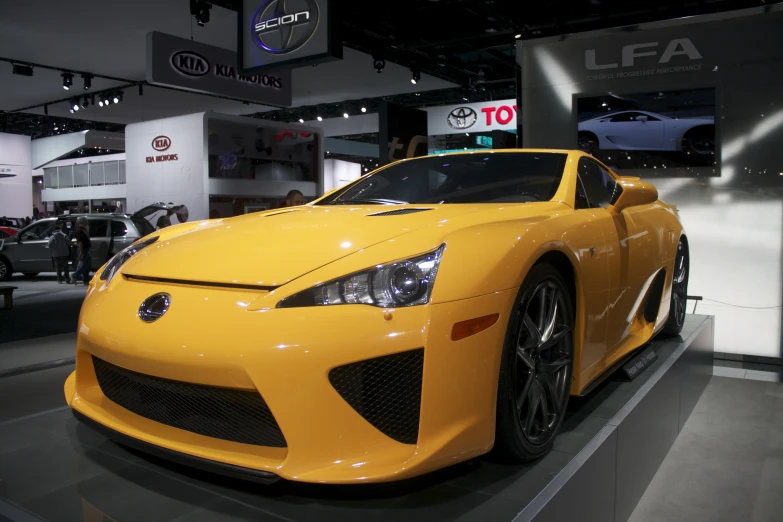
<point x="655" y="131"/>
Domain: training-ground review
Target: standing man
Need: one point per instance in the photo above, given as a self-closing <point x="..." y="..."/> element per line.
<point x="60" y="247"/>
<point x="85" y="260"/>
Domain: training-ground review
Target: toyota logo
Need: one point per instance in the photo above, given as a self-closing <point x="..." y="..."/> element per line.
<point x="283" y="26"/>
<point x="153" y="307"/>
<point x="462" y="118"/>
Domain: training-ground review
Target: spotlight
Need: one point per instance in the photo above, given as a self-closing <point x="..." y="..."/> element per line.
<point x="319" y="118"/>
<point x="301" y="120"/>
<point x="117" y="97"/>
<point x="415" y="77"/>
<point x="87" y="81"/>
<point x="67" y="80"/>
<point x="100" y="102"/>
<point x="85" y="103"/>
<point x="345" y="115"/>
<point x="74" y="103"/>
<point x="379" y="64"/>
<point x="201" y="11"/>
<point x="364" y="109"/>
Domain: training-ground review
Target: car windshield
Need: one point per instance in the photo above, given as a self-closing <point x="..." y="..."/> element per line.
<point x="480" y="177"/>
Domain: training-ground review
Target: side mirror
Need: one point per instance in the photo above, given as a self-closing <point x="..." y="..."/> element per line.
<point x="632" y="193"/>
<point x="641" y="118"/>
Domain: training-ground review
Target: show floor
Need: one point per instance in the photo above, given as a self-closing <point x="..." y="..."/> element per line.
<point x="727" y="464"/>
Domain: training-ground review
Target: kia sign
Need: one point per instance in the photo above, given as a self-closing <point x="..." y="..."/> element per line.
<point x="472" y="117"/>
<point x="281" y="34"/>
<point x="185" y="64"/>
<point x="161" y="143"/>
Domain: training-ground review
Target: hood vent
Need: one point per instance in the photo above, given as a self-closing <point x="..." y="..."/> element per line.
<point x="399" y="212"/>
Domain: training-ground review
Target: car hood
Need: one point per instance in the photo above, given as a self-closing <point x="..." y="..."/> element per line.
<point x="272" y="248"/>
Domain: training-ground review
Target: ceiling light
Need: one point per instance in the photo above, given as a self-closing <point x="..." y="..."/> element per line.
<point x="364" y="109"/>
<point x="319" y="118"/>
<point x="74" y="104"/>
<point x="84" y="103"/>
<point x="56" y="127"/>
<point x="67" y="80"/>
<point x="100" y="102"/>
<point x="345" y="115"/>
<point x="518" y="36"/>
<point x="467" y="134"/>
<point x="87" y="81"/>
<point x="200" y="10"/>
<point x="301" y="120"/>
<point x="379" y="64"/>
<point x="415" y="76"/>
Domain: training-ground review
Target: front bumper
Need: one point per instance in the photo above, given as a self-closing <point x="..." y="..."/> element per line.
<point x="208" y="337"/>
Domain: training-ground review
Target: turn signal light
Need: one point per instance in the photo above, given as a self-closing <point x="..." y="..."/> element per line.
<point x="470" y="327"/>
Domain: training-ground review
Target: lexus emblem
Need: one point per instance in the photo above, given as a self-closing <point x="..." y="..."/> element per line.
<point x="153" y="307"/>
<point x="283" y="26"/>
<point x="462" y="118"/>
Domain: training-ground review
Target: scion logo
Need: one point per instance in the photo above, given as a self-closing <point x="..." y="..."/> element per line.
<point x="190" y="63"/>
<point x="462" y="118"/>
<point x="161" y="143"/>
<point x="283" y="26"/>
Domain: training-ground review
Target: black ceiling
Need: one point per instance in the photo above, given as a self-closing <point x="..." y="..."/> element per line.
<point x="468" y="42"/>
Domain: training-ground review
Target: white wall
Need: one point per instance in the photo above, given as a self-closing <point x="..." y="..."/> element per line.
<point x="338" y="173"/>
<point x="182" y="181"/>
<point x="250" y="188"/>
<point x="16" y="193"/>
<point x="105" y="192"/>
<point x="44" y="150"/>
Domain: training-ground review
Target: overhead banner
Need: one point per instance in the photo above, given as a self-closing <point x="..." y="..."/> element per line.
<point x="282" y="34"/>
<point x="402" y="133"/>
<point x="185" y="64"/>
<point x="472" y="117"/>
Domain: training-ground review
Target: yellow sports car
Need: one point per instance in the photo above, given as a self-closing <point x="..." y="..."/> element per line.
<point x="417" y="317"/>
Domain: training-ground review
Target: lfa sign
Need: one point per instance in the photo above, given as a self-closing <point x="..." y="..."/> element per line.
<point x="630" y="54"/>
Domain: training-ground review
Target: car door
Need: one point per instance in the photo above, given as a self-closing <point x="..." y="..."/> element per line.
<point x="632" y="130"/>
<point x="99" y="241"/>
<point x="121" y="237"/>
<point x="31" y="250"/>
<point x="633" y="245"/>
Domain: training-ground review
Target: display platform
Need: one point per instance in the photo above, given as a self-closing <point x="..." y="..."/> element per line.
<point x="610" y="446"/>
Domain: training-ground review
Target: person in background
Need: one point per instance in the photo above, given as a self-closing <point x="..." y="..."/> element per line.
<point x="85" y="259"/>
<point x="60" y="248"/>
<point x="294" y="198"/>
<point x="27" y="221"/>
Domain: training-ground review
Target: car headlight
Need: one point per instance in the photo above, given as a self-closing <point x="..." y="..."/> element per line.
<point x="402" y="283"/>
<point x="119" y="259"/>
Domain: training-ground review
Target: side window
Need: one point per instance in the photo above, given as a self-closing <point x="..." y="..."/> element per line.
<point x="3" y="235"/>
<point x="625" y="116"/>
<point x="118" y="228"/>
<point x="599" y="186"/>
<point x="39" y="231"/>
<point x="581" y="197"/>
<point x="97" y="227"/>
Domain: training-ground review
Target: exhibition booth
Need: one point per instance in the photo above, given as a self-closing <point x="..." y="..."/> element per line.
<point x="694" y="106"/>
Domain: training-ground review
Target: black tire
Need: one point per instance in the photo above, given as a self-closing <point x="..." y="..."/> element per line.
<point x="699" y="140"/>
<point x="681" y="271"/>
<point x="534" y="382"/>
<point x="588" y="142"/>
<point x="31" y="274"/>
<point x="6" y="270"/>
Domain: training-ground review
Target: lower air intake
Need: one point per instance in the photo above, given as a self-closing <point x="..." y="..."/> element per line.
<point x="221" y="413"/>
<point x="386" y="391"/>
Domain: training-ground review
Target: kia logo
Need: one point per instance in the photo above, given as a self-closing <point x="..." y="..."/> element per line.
<point x="161" y="143"/>
<point x="190" y="63"/>
<point x="462" y="118"/>
<point x="283" y="26"/>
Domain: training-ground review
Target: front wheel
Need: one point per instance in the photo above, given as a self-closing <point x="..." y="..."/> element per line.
<point x="536" y="367"/>
<point x="5" y="269"/>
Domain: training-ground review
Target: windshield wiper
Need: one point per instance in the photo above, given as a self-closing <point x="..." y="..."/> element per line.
<point x="370" y="201"/>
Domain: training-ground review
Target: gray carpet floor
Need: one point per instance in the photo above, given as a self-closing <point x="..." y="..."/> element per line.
<point x="727" y="463"/>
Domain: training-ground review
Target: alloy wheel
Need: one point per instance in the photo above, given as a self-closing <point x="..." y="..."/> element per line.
<point x="3" y="269"/>
<point x="680" y="285"/>
<point x="543" y="359"/>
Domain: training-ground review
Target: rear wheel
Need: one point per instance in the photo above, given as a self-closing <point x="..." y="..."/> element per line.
<point x="536" y="367"/>
<point x="679" y="297"/>
<point x="699" y="140"/>
<point x="5" y="269"/>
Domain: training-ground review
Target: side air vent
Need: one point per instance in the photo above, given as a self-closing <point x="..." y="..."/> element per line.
<point x="386" y="391"/>
<point x="399" y="212"/>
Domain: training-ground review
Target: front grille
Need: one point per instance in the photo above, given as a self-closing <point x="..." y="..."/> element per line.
<point x="221" y="413"/>
<point x="399" y="212"/>
<point x="386" y="391"/>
